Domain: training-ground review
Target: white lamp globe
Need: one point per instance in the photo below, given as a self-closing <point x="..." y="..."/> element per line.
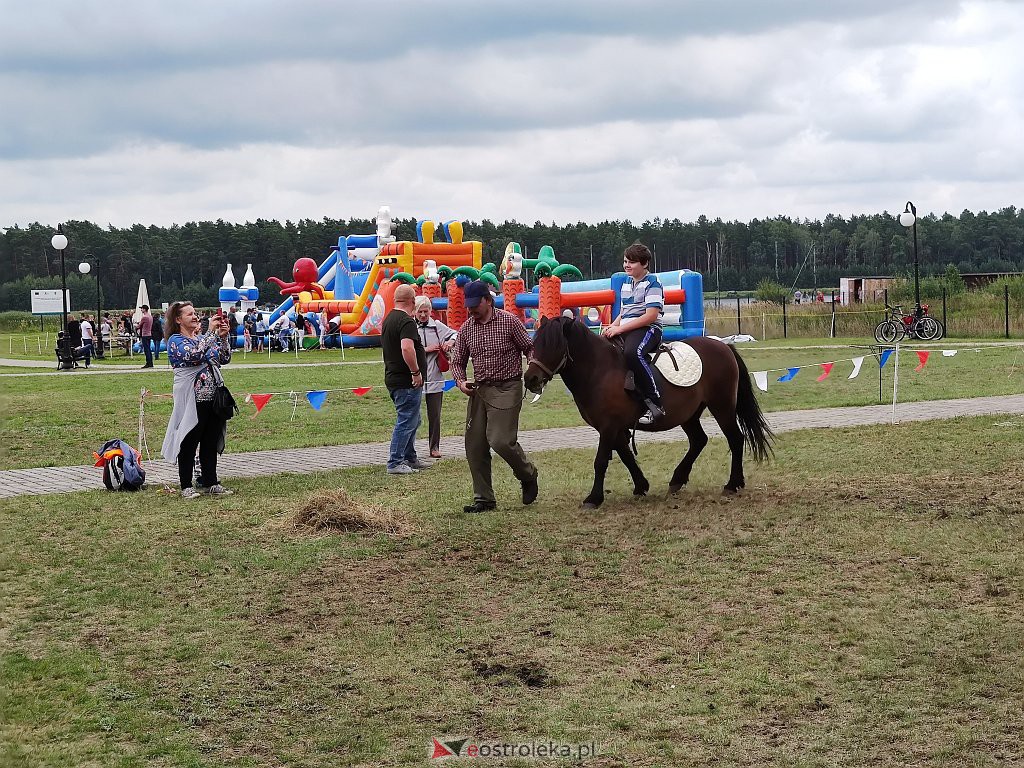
<point x="59" y="242"/>
<point x="85" y="267"/>
<point x="907" y="219"/>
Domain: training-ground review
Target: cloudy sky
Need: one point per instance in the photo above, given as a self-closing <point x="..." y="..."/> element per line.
<point x="136" y="111"/>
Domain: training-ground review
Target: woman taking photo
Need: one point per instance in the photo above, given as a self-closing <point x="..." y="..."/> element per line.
<point x="196" y="360"/>
<point x="436" y="337"/>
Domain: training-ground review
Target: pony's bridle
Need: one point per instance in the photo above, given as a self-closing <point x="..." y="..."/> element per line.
<point x="550" y="373"/>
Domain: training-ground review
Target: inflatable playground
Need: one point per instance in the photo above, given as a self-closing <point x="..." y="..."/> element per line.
<point x="352" y="290"/>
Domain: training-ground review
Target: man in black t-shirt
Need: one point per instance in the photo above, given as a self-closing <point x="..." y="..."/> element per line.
<point x="404" y="365"/>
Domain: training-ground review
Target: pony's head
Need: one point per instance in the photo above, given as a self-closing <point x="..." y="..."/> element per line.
<point x="550" y="352"/>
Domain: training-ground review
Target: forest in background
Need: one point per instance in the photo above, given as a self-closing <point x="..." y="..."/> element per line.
<point x="188" y="260"/>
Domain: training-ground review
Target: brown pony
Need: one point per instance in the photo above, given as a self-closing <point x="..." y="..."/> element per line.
<point x="594" y="370"/>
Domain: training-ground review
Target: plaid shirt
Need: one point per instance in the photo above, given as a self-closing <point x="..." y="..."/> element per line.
<point x="496" y="348"/>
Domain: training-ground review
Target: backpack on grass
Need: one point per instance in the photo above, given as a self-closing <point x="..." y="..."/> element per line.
<point x="122" y="468"/>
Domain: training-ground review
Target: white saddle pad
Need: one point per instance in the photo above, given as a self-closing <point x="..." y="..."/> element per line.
<point x="681" y="365"/>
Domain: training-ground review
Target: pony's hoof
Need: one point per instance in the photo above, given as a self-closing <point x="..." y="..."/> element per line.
<point x="727" y="491"/>
<point x="675" y="487"/>
<point x="590" y="505"/>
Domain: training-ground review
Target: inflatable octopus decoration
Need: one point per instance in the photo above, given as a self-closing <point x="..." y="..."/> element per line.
<point x="305" y="274"/>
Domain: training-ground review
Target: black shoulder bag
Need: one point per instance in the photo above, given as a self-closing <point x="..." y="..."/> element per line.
<point x="224" y="405"/>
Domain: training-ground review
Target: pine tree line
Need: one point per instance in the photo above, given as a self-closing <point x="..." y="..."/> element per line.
<point x="189" y="260"/>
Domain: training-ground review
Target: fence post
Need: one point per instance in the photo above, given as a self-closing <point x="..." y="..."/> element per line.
<point x="1006" y="307"/>
<point x="784" y="333"/>
<point x="739" y="326"/>
<point x="885" y="296"/>
<point x="944" y="326"/>
<point x="833" y="314"/>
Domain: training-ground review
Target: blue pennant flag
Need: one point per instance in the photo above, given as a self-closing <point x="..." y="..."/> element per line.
<point x="790" y="374"/>
<point x="316" y="399"/>
<point x="884" y="358"/>
<point x="449" y="384"/>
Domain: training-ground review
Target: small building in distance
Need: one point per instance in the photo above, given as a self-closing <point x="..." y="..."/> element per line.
<point x="860" y="290"/>
<point x="978" y="279"/>
<point x="857" y="290"/>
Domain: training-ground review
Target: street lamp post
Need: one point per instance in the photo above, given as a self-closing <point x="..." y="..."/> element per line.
<point x="909" y="219"/>
<point x="84" y="268"/>
<point x="59" y="243"/>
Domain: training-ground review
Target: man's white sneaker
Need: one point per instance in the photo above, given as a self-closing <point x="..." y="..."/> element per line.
<point x="401" y="469"/>
<point x="190" y="493"/>
<point x="218" y="490"/>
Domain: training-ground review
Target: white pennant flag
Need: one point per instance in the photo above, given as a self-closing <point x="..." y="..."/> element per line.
<point x="857" y="362"/>
<point x="949" y="352"/>
<point x="761" y="379"/>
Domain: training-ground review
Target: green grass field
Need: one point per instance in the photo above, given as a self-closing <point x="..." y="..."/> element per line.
<point x="840" y="612"/>
<point x="60" y="419"/>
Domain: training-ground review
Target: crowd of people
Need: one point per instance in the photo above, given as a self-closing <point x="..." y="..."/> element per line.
<point x="418" y="350"/>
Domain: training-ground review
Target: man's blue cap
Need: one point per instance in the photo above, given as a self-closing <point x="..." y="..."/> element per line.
<point x="475" y="291"/>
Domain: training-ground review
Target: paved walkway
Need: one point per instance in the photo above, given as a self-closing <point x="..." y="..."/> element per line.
<point x="43" y="368"/>
<point x="19" y="482"/>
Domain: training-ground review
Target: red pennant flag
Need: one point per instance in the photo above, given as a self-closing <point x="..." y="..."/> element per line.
<point x="922" y="355"/>
<point x="260" y="401"/>
<point x="361" y="391"/>
<point x="440" y="749"/>
<point x="827" y="369"/>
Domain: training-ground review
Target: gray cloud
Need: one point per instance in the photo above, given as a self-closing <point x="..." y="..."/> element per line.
<point x="155" y="112"/>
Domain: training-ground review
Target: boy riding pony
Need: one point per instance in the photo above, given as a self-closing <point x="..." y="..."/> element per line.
<point x="639" y="324"/>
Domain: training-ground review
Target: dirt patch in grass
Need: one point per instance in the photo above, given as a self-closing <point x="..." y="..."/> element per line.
<point x="334" y="511"/>
<point x="938" y="496"/>
<point x="505" y="670"/>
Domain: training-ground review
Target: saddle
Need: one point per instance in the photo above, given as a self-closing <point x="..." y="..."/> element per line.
<point x="677" y="361"/>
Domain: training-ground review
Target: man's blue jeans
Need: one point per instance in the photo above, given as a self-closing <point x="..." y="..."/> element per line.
<point x="403" y="439"/>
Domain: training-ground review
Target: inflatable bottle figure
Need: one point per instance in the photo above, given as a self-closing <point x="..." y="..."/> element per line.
<point x="228" y="295"/>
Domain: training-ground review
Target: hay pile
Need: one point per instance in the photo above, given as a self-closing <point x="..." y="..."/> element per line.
<point x="335" y="510"/>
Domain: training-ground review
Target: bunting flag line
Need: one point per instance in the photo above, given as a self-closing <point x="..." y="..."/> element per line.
<point x="761" y="379"/>
<point x="857" y="363"/>
<point x="448" y="384"/>
<point x="790" y="375"/>
<point x="360" y="391"/>
<point x="922" y="355"/>
<point x="884" y="358"/>
<point x="826" y="369"/>
<point x="259" y="401"/>
<point x="316" y="398"/>
<point x="949" y="352"/>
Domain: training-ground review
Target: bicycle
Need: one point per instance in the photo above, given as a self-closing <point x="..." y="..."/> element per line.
<point x="897" y="325"/>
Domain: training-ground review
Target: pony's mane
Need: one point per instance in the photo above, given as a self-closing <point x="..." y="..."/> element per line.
<point x="575" y="332"/>
<point x="583" y="334"/>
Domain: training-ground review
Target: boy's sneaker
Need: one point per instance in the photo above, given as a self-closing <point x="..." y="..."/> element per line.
<point x="190" y="493"/>
<point x="653" y="414"/>
<point x="419" y="464"/>
<point x="401" y="469"/>
<point x="218" y="490"/>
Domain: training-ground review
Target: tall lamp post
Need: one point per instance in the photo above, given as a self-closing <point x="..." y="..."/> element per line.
<point x="59" y="243"/>
<point x="84" y="268"/>
<point x="909" y="219"/>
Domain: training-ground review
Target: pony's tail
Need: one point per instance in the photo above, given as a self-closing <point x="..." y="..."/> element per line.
<point x="756" y="432"/>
